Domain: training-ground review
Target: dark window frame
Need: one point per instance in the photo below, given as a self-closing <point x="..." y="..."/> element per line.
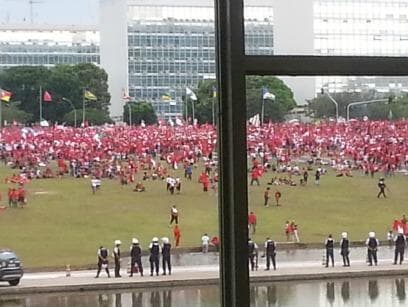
<point x="233" y="65"/>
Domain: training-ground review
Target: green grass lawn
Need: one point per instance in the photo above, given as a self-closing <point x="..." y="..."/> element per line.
<point x="64" y="223"/>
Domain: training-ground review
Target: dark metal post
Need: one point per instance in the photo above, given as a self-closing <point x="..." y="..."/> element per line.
<point x="233" y="197"/>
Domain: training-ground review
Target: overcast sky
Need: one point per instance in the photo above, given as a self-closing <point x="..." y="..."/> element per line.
<point x="50" y="11"/>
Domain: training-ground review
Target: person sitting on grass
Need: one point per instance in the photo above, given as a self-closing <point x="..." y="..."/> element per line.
<point x="139" y="187"/>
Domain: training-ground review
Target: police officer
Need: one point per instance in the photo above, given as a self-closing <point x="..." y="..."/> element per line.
<point x="270" y="251"/>
<point x="399" y="247"/>
<point x="136" y="257"/>
<point x="344" y="249"/>
<point x="102" y="261"/>
<point x="252" y="253"/>
<point x="116" y="256"/>
<point x="166" y="247"/>
<point x="154" y="248"/>
<point x="372" y="246"/>
<point x="381" y="186"/>
<point x="329" y="244"/>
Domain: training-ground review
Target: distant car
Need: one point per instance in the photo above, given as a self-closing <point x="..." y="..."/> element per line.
<point x="11" y="269"/>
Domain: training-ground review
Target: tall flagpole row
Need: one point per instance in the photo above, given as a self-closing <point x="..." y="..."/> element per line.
<point x="41" y="110"/>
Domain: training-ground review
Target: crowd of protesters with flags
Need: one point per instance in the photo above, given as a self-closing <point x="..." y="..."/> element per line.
<point x="368" y="146"/>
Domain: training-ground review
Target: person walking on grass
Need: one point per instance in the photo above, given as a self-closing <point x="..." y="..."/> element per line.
<point x="252" y="222"/>
<point x="267" y="195"/>
<point x="345" y="249"/>
<point x="103" y="261"/>
<point x="329" y="244"/>
<point x="278" y="195"/>
<point x="177" y="235"/>
<point x="154" y="260"/>
<point x="205" y="242"/>
<point x="174" y="214"/>
<point x="381" y="186"/>
<point x="400" y="242"/>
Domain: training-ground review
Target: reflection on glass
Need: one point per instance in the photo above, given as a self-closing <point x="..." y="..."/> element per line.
<point x="103" y="300"/>
<point x="373" y="289"/>
<point x="271" y="292"/>
<point x="400" y="284"/>
<point x="167" y="298"/>
<point x="118" y="300"/>
<point x="330" y="292"/>
<point x="345" y="291"/>
<point x="155" y="299"/>
<point x="137" y="299"/>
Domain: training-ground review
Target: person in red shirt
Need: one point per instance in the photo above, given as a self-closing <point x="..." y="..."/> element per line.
<point x="255" y="176"/>
<point x="177" y="235"/>
<point x="252" y="222"/>
<point x="215" y="241"/>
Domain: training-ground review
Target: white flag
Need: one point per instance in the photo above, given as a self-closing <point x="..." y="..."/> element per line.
<point x="255" y="121"/>
<point x="142" y="123"/>
<point x="191" y="94"/>
<point x="171" y="123"/>
<point x="268" y="95"/>
<point x="179" y="122"/>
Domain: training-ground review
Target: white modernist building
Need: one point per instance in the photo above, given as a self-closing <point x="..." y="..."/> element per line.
<point x="155" y="48"/>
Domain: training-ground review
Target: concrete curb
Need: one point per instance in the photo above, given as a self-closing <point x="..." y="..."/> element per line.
<point x="180" y="282"/>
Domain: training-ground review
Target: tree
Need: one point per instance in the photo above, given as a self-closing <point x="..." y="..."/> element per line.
<point x="274" y="110"/>
<point x="93" y="117"/>
<point x="67" y="81"/>
<point x="140" y="111"/>
<point x="322" y="107"/>
<point x="11" y="113"/>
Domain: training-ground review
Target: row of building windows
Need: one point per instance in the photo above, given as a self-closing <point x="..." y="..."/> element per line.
<point x="44" y="59"/>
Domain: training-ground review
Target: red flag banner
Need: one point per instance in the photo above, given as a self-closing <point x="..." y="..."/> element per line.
<point x="47" y="97"/>
<point x="5" y="95"/>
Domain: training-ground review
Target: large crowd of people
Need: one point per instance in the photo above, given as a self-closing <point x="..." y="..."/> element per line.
<point x="370" y="146"/>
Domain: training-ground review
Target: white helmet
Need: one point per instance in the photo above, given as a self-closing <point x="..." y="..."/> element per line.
<point x="135" y="241"/>
<point x="344" y="235"/>
<point x="165" y="240"/>
<point x="155" y="239"/>
<point x="118" y="242"/>
<point x="371" y="234"/>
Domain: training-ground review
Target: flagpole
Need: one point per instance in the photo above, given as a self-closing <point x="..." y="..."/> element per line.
<point x="213" y="111"/>
<point x="193" y="111"/>
<point x="130" y="114"/>
<point x="83" y="107"/>
<point x="1" y="114"/>
<point x="41" y="111"/>
<point x="186" y="106"/>
<point x="263" y="110"/>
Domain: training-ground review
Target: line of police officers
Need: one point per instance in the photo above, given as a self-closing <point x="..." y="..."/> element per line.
<point x="136" y="257"/>
<point x="372" y="244"/>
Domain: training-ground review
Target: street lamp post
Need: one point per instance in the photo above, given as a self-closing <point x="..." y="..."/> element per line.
<point x="362" y="102"/>
<point x="334" y="101"/>
<point x="73" y="108"/>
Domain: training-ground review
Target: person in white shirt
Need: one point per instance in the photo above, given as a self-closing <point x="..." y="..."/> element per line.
<point x="205" y="242"/>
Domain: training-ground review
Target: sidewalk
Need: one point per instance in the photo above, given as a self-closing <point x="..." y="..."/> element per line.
<point x="188" y="276"/>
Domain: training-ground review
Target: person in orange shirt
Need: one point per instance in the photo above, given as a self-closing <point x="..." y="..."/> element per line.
<point x="177" y="235"/>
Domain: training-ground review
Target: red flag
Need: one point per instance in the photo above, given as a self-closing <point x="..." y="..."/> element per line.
<point x="5" y="95"/>
<point x="47" y="97"/>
